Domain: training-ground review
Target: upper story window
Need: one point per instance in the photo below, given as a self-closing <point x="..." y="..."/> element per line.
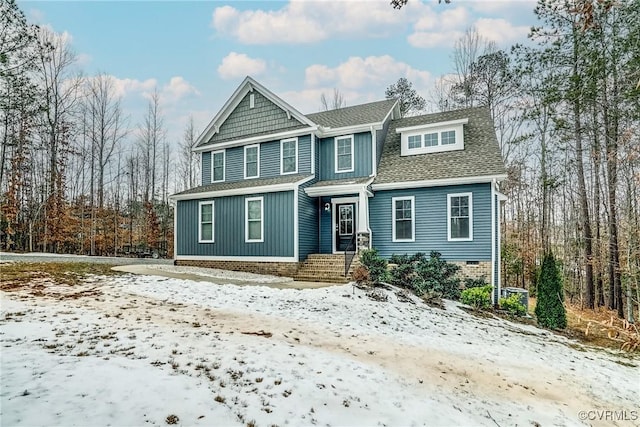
<point x="432" y="138"/>
<point x="344" y="153"/>
<point x="217" y="166"/>
<point x="460" y="216"/>
<point x="252" y="161"/>
<point x="289" y="156"/>
<point x="205" y="222"/>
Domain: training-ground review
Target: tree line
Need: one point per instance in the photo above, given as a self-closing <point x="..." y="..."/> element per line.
<point x="77" y="173"/>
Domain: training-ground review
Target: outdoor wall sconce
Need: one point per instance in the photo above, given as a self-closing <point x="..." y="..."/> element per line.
<point x="327" y="207"/>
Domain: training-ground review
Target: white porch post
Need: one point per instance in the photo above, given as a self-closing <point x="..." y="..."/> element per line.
<point x="363" y="232"/>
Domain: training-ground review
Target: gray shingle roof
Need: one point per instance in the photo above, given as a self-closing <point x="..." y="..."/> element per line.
<point x="247" y="183"/>
<point x="481" y="155"/>
<point x="373" y="112"/>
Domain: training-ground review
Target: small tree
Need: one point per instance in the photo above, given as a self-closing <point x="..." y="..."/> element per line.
<point x="550" y="307"/>
<point x="410" y="101"/>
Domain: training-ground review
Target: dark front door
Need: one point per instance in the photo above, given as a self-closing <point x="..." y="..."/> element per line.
<point x="345" y="225"/>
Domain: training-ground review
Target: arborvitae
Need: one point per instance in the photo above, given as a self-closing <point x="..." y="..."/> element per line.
<point x="550" y="308"/>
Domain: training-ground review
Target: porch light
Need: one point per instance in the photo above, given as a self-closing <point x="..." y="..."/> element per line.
<point x="327" y="207"/>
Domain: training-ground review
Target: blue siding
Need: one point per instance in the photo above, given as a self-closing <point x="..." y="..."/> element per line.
<point x="431" y="223"/>
<point x="361" y="152"/>
<point x="308" y="211"/>
<point x="326" y="228"/>
<point x="229" y="227"/>
<point x="496" y="243"/>
<point x="269" y="160"/>
<point x="206" y="168"/>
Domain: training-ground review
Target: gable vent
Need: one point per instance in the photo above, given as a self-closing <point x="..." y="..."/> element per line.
<point x="252" y="100"/>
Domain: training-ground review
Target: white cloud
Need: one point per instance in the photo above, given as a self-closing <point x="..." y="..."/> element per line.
<point x="236" y="65"/>
<point x="125" y="87"/>
<point x="176" y="89"/>
<point x="357" y="73"/>
<point x="500" y="30"/>
<point x="307" y="22"/>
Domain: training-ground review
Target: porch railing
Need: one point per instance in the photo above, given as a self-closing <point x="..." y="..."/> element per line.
<point x="349" y="253"/>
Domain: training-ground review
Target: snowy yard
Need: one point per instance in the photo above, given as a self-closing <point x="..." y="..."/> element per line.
<point x="138" y="350"/>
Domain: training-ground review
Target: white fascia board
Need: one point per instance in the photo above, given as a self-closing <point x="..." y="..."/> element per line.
<point x="256" y="139"/>
<point x="275" y="188"/>
<point x="433" y="125"/>
<point x="234" y="258"/>
<point x="326" y="132"/>
<point x="338" y="190"/>
<point x="437" y="182"/>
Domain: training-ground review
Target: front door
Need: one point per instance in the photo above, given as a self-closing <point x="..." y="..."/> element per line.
<point x="345" y="225"/>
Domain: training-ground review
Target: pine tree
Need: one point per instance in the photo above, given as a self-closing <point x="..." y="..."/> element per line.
<point x="550" y="308"/>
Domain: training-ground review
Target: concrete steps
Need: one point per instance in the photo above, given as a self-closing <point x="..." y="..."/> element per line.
<point x="325" y="268"/>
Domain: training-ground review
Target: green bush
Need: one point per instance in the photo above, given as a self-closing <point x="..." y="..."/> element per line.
<point x="436" y="276"/>
<point x="550" y="309"/>
<point x="376" y="265"/>
<point x="513" y="305"/>
<point x="470" y="282"/>
<point x="404" y="274"/>
<point x="479" y="297"/>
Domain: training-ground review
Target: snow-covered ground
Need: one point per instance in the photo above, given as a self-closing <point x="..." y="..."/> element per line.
<point x="138" y="350"/>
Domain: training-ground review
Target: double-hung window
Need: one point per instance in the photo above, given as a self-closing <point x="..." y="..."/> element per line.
<point x="252" y="161"/>
<point x="217" y="166"/>
<point x="403" y="215"/>
<point x="205" y="222"/>
<point x="460" y="216"/>
<point x="289" y="156"/>
<point x="344" y="154"/>
<point x="254" y="220"/>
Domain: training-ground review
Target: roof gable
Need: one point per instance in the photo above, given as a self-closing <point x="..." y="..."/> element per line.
<point x="241" y="117"/>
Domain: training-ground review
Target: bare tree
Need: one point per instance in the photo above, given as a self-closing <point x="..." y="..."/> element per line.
<point x="188" y="159"/>
<point x="151" y="136"/>
<point x="337" y="101"/>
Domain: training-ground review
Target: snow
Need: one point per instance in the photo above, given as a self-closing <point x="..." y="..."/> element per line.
<point x="149" y="347"/>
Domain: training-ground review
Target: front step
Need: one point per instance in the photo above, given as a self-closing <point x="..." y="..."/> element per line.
<point x="325" y="268"/>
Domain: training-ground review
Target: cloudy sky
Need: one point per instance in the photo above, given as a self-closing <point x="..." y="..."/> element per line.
<point x="196" y="53"/>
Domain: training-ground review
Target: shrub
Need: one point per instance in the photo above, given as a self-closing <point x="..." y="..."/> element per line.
<point x="550" y="309"/>
<point x="360" y="275"/>
<point x="376" y="265"/>
<point x="403" y="275"/>
<point x="435" y="275"/>
<point x="479" y="297"/>
<point x="470" y="282"/>
<point x="513" y="305"/>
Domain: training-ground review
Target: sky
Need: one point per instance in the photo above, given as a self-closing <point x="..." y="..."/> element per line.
<point x="197" y="52"/>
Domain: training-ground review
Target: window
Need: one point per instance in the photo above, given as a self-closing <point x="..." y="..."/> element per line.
<point x="205" y="221"/>
<point x="289" y="156"/>
<point x="217" y="160"/>
<point x="448" y="137"/>
<point x="345" y="220"/>
<point x="460" y="216"/>
<point x="415" y="141"/>
<point x="430" y="140"/>
<point x="253" y="220"/>
<point x="252" y="161"/>
<point x="344" y="154"/>
<point x="403" y="213"/>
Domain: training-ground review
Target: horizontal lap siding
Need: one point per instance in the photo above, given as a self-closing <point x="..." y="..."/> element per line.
<point x="431" y="223"/>
<point x="362" y="158"/>
<point x="229" y="227"/>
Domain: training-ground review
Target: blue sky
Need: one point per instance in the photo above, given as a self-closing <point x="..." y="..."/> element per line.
<point x="196" y="53"/>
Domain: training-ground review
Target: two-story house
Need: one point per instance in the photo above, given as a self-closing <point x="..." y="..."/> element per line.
<point x="293" y="194"/>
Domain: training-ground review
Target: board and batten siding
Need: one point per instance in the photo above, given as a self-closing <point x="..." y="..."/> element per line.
<point x="431" y="223"/>
<point x="229" y="227"/>
<point x="361" y="153"/>
<point x="264" y="117"/>
<point x="308" y="232"/>
<point x="269" y="161"/>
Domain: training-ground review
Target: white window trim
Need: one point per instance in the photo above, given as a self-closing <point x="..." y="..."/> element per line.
<point x="246" y="147"/>
<point x="282" y="172"/>
<point x="335" y="152"/>
<point x="464" y="239"/>
<point x="246" y="219"/>
<point x="453" y="125"/>
<point x="224" y="166"/>
<point x="413" y="218"/>
<point x="213" y="221"/>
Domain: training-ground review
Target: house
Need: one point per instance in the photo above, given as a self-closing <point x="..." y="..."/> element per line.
<point x="293" y="194"/>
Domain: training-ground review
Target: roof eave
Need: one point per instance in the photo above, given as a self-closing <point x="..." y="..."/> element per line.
<point x="438" y="182"/>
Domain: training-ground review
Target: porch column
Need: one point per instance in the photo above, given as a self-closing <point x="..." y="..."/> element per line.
<point x="363" y="233"/>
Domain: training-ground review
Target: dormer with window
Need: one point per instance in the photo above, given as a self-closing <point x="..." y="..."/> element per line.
<point x="432" y="137"/>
